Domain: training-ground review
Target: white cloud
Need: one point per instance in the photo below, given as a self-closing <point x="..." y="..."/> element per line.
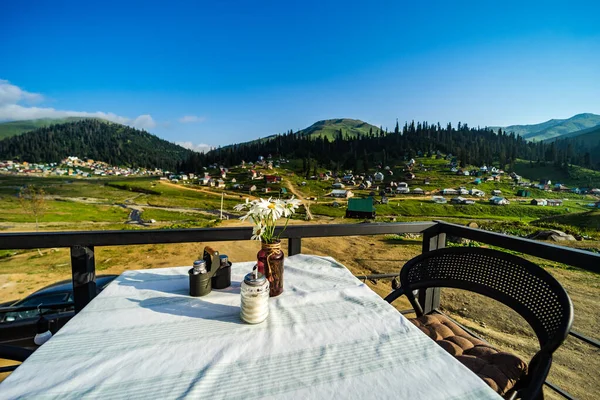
<point x="144" y="122"/>
<point x="11" y="110"/>
<point x="186" y="119"/>
<point x="200" y="148"/>
<point x="11" y="94"/>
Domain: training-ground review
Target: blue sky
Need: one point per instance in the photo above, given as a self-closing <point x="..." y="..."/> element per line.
<point x="221" y="72"/>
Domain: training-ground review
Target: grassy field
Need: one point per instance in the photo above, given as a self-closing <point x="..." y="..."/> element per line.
<point x="577" y="176"/>
<point x="61" y="211"/>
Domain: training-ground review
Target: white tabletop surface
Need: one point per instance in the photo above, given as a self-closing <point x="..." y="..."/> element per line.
<point x="327" y="336"/>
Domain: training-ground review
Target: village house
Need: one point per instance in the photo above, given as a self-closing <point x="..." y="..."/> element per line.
<point x="554" y="202"/>
<point x="461" y="200"/>
<point x="426" y="181"/>
<point x="439" y="200"/>
<point x="266" y="190"/>
<point x="212" y="182"/>
<point x="220" y="184"/>
<point x="418" y="191"/>
<point x="205" y="180"/>
<point x="409" y="176"/>
<point x="236" y="186"/>
<point x="462" y="191"/>
<point x="378" y="176"/>
<point x="272" y="178"/>
<point x="402" y="188"/>
<point x="496" y="192"/>
<point x="560" y="188"/>
<point x="338" y="185"/>
<point x="252" y="174"/>
<point x="360" y="208"/>
<point x="449" y="192"/>
<point x="477" y="192"/>
<point x="538" y="202"/>
<point x="341" y="193"/>
<point x="252" y="188"/>
<point x="499" y="201"/>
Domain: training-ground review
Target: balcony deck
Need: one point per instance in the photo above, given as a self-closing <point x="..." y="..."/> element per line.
<point x="434" y="233"/>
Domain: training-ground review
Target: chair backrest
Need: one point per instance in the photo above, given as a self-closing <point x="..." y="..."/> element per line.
<point x="518" y="283"/>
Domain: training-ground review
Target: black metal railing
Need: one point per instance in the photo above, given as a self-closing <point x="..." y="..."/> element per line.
<point x="435" y="233"/>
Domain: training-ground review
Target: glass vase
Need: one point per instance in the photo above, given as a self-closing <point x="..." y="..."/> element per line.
<point x="270" y="263"/>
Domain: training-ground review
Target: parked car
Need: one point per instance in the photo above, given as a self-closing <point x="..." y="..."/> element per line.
<point x="18" y="327"/>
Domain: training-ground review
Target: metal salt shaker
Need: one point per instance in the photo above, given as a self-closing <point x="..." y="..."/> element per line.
<point x="200" y="279"/>
<point x="255" y="298"/>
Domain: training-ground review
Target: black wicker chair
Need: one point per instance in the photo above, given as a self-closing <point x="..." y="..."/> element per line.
<point x="520" y="284"/>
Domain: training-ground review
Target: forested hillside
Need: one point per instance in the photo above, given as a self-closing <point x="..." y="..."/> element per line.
<point x="13" y="128"/>
<point x="469" y="145"/>
<point x="113" y="143"/>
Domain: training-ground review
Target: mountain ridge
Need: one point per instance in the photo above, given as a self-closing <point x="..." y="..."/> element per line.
<point x="554" y="128"/>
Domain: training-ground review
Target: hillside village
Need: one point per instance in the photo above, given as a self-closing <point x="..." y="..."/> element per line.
<point x="413" y="179"/>
<point x="75" y="167"/>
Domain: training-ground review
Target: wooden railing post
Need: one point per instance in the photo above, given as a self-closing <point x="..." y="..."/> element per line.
<point x="84" y="275"/>
<point x="294" y="246"/>
<point x="430" y="298"/>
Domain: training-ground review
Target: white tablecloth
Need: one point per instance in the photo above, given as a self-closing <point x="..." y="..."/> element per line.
<point x="327" y="336"/>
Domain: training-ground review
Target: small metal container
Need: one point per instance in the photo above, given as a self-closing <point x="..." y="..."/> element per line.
<point x="255" y="298"/>
<point x="200" y="279"/>
<point x="222" y="278"/>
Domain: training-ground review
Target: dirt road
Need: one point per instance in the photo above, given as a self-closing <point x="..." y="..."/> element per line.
<point x="212" y="193"/>
<point x="300" y="196"/>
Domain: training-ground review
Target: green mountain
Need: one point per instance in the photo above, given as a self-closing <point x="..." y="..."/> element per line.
<point x="331" y="127"/>
<point x="113" y="143"/>
<point x="590" y="136"/>
<point x="554" y="128"/>
<point x="326" y="128"/>
<point x="13" y="128"/>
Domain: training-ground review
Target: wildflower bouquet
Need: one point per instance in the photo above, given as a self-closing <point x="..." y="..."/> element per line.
<point x="265" y="213"/>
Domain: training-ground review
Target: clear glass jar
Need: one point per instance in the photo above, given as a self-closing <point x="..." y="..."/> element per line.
<point x="255" y="298"/>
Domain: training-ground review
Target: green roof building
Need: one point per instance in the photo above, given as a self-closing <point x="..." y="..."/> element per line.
<point x="360" y="208"/>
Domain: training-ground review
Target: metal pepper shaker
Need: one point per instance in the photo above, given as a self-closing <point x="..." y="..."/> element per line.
<point x="222" y="278"/>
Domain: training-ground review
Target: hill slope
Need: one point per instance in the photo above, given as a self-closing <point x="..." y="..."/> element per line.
<point x="113" y="143"/>
<point x="330" y="127"/>
<point x="589" y="137"/>
<point x="554" y="127"/>
<point x="13" y="128"/>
